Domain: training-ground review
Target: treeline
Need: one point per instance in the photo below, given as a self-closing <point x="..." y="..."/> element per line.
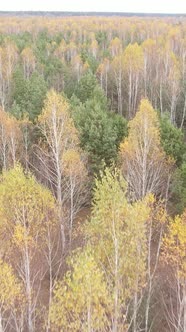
<point x="84" y="13"/>
<point x="93" y="175"/>
<point x="131" y="58"/>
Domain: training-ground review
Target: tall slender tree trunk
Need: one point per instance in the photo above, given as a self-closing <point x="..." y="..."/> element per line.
<point x="71" y="207"/>
<point x="135" y="311"/>
<point x="106" y="84"/>
<point x="184" y="114"/>
<point x="89" y="318"/>
<point x="59" y="198"/>
<point x="119" y="94"/>
<point x="1" y="323"/>
<point x="50" y="286"/>
<point x="130" y="96"/>
<point x="28" y="290"/>
<point x="145" y="76"/>
<point x="150" y="280"/>
<point x="116" y="291"/>
<point x="184" y="306"/>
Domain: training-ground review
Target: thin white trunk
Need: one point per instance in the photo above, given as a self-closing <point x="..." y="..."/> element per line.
<point x="184" y="114"/>
<point x="130" y="96"/>
<point x="135" y="311"/>
<point x="184" y="306"/>
<point x="1" y="324"/>
<point x="28" y="290"/>
<point x="116" y="291"/>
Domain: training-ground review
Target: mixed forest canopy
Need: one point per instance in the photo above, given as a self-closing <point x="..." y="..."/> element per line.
<point x="92" y="174"/>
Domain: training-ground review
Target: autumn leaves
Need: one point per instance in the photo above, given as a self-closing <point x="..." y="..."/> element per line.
<point x="144" y="163"/>
<point x="31" y="217"/>
<point x="107" y="284"/>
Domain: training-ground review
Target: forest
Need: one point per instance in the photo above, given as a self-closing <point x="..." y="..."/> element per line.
<point x="92" y="174"/>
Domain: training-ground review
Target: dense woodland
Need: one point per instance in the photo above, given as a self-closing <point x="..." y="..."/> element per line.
<point x="93" y="174"/>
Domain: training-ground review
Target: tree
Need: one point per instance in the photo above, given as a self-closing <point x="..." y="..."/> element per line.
<point x="117" y="233"/>
<point x="155" y="228"/>
<point x="173" y="89"/>
<point x="10" y="294"/>
<point x="26" y="210"/>
<point x="85" y="87"/>
<point x="76" y="180"/>
<point x="178" y="190"/>
<point x="175" y="255"/>
<point x="10" y="140"/>
<point x="150" y="53"/>
<point x="29" y="62"/>
<point x="172" y="140"/>
<point x="94" y="48"/>
<point x="100" y="130"/>
<point x="115" y="47"/>
<point x="77" y="66"/>
<point x="117" y="67"/>
<point x="60" y="136"/>
<point x="3" y="82"/>
<point x="102" y="72"/>
<point x="28" y="94"/>
<point x="81" y="301"/>
<point x="143" y="161"/>
<point x="8" y="60"/>
<point x="37" y="89"/>
<point x="133" y="62"/>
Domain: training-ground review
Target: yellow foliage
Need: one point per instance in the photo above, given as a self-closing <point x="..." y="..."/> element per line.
<point x="10" y="289"/>
<point x="133" y="58"/>
<point x="26" y="208"/>
<point x="117" y="232"/>
<point x="73" y="164"/>
<point x="81" y="301"/>
<point x="55" y="121"/>
<point x="10" y="139"/>
<point x="143" y="161"/>
<point x="175" y="245"/>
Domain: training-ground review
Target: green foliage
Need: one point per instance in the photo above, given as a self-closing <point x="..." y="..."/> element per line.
<point x="37" y="89"/>
<point x="178" y="188"/>
<point x="42" y="39"/>
<point x="28" y="95"/>
<point x="100" y="131"/>
<point x="102" y="37"/>
<point x="172" y="140"/>
<point x="16" y="111"/>
<point x="22" y="40"/>
<point x="120" y="127"/>
<point x="85" y="87"/>
<point x="88" y="58"/>
<point x="1" y="38"/>
<point x="19" y="87"/>
<point x="53" y="70"/>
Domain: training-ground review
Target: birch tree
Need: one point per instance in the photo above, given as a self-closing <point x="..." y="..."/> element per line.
<point x="175" y="254"/>
<point x="60" y="135"/>
<point x="144" y="164"/>
<point x="133" y="63"/>
<point x="25" y="209"/>
<point x="11" y="294"/>
<point x="81" y="301"/>
<point x="10" y="140"/>
<point x="117" y="233"/>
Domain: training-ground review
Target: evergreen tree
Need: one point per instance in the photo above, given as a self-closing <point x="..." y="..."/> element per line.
<point x="100" y="130"/>
<point x="28" y="95"/>
<point x="172" y="140"/>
